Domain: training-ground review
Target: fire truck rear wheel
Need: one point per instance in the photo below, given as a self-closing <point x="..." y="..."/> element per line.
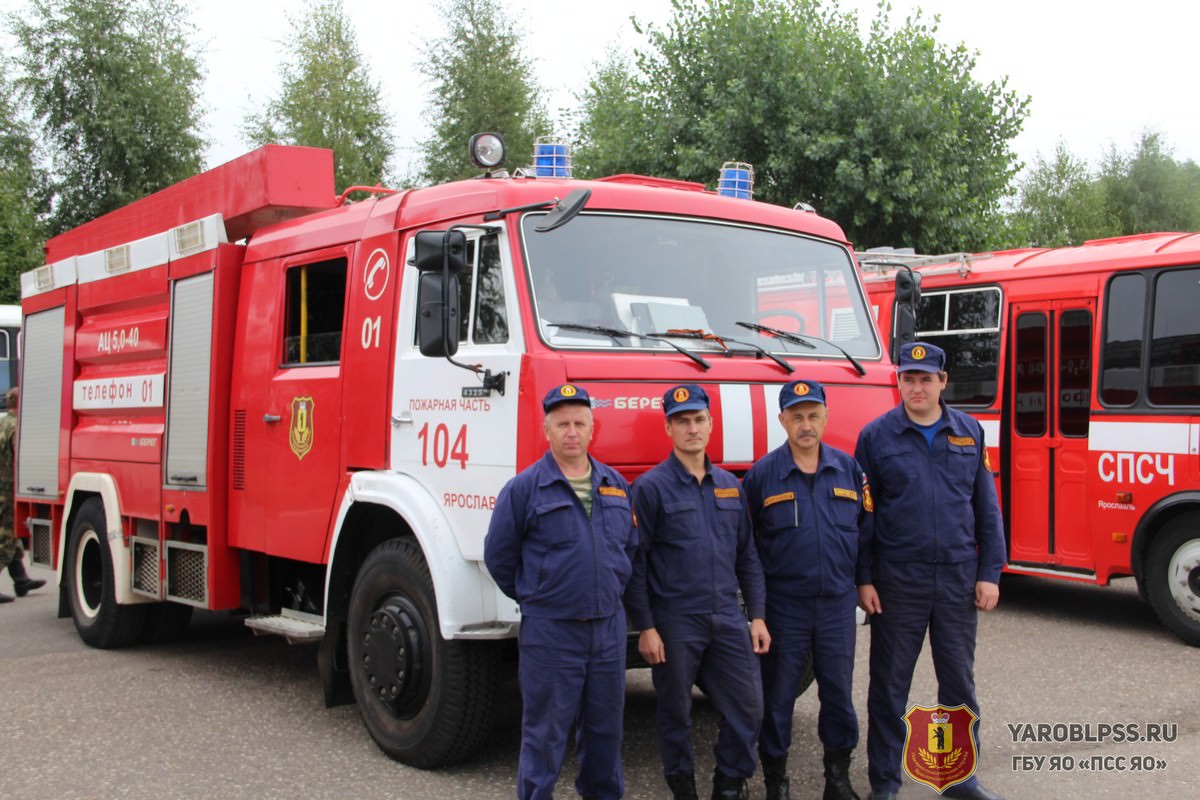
<point x="426" y="701"/>
<point x="1173" y="577"/>
<point x="91" y="587"/>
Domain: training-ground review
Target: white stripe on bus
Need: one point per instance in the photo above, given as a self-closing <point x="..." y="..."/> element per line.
<point x="1142" y="437"/>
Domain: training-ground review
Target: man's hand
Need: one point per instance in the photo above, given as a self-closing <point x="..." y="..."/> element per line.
<point x="759" y="636"/>
<point x="650" y="646"/>
<point x="987" y="595"/>
<point x="868" y="599"/>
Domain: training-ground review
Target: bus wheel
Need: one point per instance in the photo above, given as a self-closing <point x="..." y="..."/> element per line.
<point x="425" y="700"/>
<point x="1173" y="577"/>
<point x="91" y="587"/>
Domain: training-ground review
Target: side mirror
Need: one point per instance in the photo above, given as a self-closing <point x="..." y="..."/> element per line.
<point x="433" y="247"/>
<point x="437" y="314"/>
<point x="564" y="211"/>
<point x="908" y="295"/>
<point x="908" y="287"/>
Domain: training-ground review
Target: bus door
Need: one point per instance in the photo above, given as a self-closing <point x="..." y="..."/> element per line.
<point x="1051" y="376"/>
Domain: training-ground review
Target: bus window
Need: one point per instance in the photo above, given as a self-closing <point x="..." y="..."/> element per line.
<point x="1074" y="372"/>
<point x="1175" y="344"/>
<point x="966" y="324"/>
<point x="1030" y="384"/>
<point x="1125" y="314"/>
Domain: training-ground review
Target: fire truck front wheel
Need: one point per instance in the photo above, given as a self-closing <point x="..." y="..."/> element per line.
<point x="100" y="621"/>
<point x="426" y="701"/>
<point x="1173" y="577"/>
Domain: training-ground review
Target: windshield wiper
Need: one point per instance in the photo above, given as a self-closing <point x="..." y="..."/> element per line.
<point x="721" y="340"/>
<point x="618" y="333"/>
<point x="796" y="338"/>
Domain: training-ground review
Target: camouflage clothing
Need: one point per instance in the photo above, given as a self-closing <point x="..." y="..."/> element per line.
<point x="10" y="548"/>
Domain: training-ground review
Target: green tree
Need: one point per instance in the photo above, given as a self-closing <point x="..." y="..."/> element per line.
<point x="114" y="89"/>
<point x="21" y="194"/>
<point x="328" y="99"/>
<point x="1060" y="203"/>
<point x="1148" y="190"/>
<point x="482" y="81"/>
<point x="890" y="135"/>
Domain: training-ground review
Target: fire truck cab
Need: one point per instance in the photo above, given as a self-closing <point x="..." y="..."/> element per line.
<point x="244" y="393"/>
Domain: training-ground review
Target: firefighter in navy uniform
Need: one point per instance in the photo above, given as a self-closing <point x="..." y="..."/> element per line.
<point x="561" y="543"/>
<point x="696" y="549"/>
<point x="934" y="560"/>
<point x="810" y="506"/>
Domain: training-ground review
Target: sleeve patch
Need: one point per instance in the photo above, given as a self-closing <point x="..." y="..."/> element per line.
<point x="778" y="498"/>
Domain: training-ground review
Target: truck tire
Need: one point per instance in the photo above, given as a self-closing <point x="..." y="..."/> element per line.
<point x="91" y="588"/>
<point x="1172" y="577"/>
<point x="426" y="701"/>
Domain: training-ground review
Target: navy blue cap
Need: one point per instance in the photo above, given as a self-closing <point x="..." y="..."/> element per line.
<point x="800" y="392"/>
<point x="921" y="357"/>
<point x="688" y="397"/>
<point x="567" y="393"/>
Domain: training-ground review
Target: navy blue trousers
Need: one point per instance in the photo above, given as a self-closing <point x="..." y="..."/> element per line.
<point x="917" y="597"/>
<point x="824" y="626"/>
<point x="714" y="652"/>
<point x="572" y="672"/>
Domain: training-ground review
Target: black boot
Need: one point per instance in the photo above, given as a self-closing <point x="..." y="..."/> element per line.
<point x="775" y="777"/>
<point x="5" y="598"/>
<point x="22" y="583"/>
<point x="683" y="786"/>
<point x="837" y="776"/>
<point x="727" y="788"/>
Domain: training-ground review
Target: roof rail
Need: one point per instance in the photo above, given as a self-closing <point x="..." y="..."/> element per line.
<point x="883" y="262"/>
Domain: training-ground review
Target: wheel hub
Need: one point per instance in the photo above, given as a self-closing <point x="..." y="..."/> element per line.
<point x="1183" y="578"/>
<point x="394" y="650"/>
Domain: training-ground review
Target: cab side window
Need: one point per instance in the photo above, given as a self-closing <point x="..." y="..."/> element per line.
<point x="315" y="306"/>
<point x="483" y="312"/>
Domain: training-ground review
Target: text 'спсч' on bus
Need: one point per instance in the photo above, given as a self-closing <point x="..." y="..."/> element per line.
<point x="246" y="393"/>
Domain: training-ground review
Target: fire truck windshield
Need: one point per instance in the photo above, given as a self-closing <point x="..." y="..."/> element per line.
<point x="646" y="276"/>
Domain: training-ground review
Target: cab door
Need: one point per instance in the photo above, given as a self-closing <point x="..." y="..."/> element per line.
<point x="288" y="404"/>
<point x="1049" y="414"/>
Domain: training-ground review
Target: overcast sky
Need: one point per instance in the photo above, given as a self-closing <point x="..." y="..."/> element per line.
<point x="1098" y="72"/>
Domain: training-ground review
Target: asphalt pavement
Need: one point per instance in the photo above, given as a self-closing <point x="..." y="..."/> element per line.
<point x="1063" y="672"/>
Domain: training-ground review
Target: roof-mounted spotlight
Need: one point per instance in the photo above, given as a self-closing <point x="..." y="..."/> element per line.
<point x="487" y="150"/>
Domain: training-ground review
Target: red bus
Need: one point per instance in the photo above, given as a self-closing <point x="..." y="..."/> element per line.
<point x="1083" y="365"/>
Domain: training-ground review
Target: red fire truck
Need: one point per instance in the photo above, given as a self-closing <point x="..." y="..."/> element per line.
<point x="1083" y="365"/>
<point x="245" y="393"/>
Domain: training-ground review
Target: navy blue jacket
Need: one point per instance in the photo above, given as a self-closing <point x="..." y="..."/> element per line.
<point x="808" y="536"/>
<point x="937" y="507"/>
<point x="544" y="552"/>
<point x="695" y="546"/>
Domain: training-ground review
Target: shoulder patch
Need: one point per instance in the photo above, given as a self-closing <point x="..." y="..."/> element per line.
<point x="962" y="441"/>
<point x="849" y="494"/>
<point x="778" y="498"/>
<point x="612" y="491"/>
<point x="732" y="491"/>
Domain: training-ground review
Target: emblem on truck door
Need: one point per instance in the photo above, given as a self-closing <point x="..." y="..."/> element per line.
<point x="300" y="434"/>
